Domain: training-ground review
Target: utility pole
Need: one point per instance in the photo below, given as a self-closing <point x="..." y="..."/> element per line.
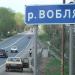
<point x="71" y="47"/>
<point x="35" y="49"/>
<point x="64" y="1"/>
<point x="70" y="51"/>
<point x="62" y="52"/>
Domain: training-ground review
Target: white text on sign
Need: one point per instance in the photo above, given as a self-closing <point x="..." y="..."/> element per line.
<point x="67" y="13"/>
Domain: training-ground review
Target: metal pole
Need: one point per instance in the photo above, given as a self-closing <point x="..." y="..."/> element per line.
<point x="71" y="48"/>
<point x="62" y="52"/>
<point x="64" y="1"/>
<point x="70" y="52"/>
<point x="35" y="49"/>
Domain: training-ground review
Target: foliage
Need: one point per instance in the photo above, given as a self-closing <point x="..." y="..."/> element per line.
<point x="52" y="34"/>
<point x="53" y="67"/>
<point x="10" y="22"/>
<point x="7" y="22"/>
<point x="19" y="18"/>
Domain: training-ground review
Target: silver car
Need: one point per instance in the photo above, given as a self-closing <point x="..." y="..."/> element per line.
<point x="14" y="49"/>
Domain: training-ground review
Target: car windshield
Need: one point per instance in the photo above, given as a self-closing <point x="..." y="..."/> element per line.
<point x="25" y="60"/>
<point x="14" y="47"/>
<point x="2" y="50"/>
<point x="14" y="59"/>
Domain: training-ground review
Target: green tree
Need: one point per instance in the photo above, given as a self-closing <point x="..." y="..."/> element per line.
<point x="19" y="18"/>
<point x="52" y="33"/>
<point x="7" y="21"/>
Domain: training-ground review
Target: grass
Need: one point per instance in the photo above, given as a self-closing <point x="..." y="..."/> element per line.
<point x="66" y="68"/>
<point x="53" y="67"/>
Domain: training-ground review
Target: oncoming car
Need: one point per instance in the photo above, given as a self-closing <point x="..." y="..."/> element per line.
<point x="3" y="53"/>
<point x="14" y="63"/>
<point x="14" y="49"/>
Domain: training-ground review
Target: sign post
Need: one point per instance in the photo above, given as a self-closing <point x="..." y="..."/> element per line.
<point x="70" y="52"/>
<point x="35" y="49"/>
<point x="71" y="47"/>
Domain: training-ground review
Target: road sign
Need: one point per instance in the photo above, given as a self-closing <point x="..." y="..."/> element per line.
<point x="50" y="14"/>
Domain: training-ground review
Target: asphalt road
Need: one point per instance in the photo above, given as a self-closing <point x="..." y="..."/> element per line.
<point x="19" y="40"/>
<point x="16" y="73"/>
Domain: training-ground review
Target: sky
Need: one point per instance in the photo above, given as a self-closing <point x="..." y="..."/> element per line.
<point x="19" y="5"/>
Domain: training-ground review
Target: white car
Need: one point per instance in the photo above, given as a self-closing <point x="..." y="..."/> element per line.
<point x="14" y="63"/>
<point x="14" y="49"/>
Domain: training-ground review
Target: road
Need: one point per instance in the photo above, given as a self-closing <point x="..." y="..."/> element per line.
<point x="21" y="41"/>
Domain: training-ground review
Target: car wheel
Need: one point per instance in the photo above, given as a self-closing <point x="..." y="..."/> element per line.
<point x="12" y="51"/>
<point x="6" y="56"/>
<point x="21" y="70"/>
<point x="16" y="51"/>
<point x="7" y="69"/>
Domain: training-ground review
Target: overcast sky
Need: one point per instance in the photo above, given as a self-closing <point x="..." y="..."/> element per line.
<point x="19" y="5"/>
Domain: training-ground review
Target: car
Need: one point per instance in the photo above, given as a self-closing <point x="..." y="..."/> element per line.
<point x="14" y="49"/>
<point x="29" y="37"/>
<point x="3" y="53"/>
<point x="14" y="63"/>
<point x="25" y="62"/>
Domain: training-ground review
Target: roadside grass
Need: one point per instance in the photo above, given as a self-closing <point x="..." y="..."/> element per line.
<point x="66" y="68"/>
<point x="53" y="67"/>
<point x="43" y="37"/>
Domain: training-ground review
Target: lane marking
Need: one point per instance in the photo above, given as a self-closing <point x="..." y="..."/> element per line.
<point x="7" y="39"/>
<point x="14" y="42"/>
<point x="19" y="54"/>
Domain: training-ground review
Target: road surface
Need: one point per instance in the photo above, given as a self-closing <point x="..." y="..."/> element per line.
<point x="19" y="40"/>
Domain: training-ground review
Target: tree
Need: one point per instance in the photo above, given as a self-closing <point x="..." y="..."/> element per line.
<point x="53" y="34"/>
<point x="19" y="18"/>
<point x="7" y="21"/>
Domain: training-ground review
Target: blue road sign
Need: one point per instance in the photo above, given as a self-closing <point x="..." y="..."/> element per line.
<point x="50" y="14"/>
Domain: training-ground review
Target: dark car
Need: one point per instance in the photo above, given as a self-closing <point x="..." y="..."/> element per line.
<point x="3" y="53"/>
<point x="25" y="62"/>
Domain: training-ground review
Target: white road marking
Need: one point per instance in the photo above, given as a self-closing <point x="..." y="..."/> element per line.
<point x="6" y="39"/>
<point x="14" y="43"/>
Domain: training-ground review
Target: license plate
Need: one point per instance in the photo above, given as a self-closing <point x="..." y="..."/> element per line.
<point x="1" y="54"/>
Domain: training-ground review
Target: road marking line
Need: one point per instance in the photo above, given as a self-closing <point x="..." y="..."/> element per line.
<point x="14" y="42"/>
<point x="24" y="49"/>
<point x="7" y="39"/>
